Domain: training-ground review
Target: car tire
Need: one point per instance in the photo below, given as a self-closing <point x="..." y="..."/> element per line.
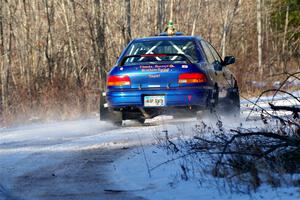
<point x="211" y="110"/>
<point x="141" y="120"/>
<point x="116" y="117"/>
<point x="231" y="104"/>
<point x="109" y="115"/>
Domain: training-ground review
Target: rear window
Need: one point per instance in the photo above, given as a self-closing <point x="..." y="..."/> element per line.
<point x="186" y="47"/>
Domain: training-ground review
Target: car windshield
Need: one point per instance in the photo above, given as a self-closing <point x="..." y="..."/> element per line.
<point x="158" y="47"/>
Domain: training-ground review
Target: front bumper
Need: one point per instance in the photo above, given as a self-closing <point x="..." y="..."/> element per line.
<point x="196" y="96"/>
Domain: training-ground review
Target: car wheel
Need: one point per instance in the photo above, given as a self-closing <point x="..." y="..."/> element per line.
<point x="107" y="114"/>
<point x="231" y="104"/>
<point x="116" y="117"/>
<point x="111" y="116"/>
<point x="211" y="110"/>
<point x="141" y="120"/>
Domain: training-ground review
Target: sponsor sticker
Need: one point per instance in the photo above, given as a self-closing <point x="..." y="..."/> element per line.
<point x="156" y="68"/>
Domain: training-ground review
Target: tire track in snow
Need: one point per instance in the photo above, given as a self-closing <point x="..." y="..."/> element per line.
<point x="82" y="176"/>
<point x="6" y="195"/>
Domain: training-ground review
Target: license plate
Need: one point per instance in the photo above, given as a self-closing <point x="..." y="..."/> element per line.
<point x="154" y="101"/>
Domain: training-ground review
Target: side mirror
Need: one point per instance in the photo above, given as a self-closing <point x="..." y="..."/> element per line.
<point x="228" y="60"/>
<point x="218" y="66"/>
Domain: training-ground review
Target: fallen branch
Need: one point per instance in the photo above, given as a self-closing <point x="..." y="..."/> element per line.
<point x="293" y="109"/>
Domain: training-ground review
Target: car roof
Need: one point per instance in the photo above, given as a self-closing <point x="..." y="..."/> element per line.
<point x="159" y="38"/>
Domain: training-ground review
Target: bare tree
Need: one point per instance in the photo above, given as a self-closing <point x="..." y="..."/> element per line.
<point x="171" y="10"/>
<point x="7" y="58"/>
<point x="72" y="46"/>
<point x="127" y="21"/>
<point x="259" y="36"/>
<point x="49" y="9"/>
<point x="231" y="12"/>
<point x="100" y="40"/>
<point x="284" y="39"/>
<point x="160" y="15"/>
<point x="1" y="56"/>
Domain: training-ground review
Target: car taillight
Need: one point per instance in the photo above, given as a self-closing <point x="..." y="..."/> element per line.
<point x="118" y="81"/>
<point x="192" y="78"/>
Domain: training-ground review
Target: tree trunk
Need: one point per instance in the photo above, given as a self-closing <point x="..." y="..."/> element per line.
<point x="284" y="55"/>
<point x="1" y="29"/>
<point x="171" y="10"/>
<point x="259" y="36"/>
<point x="1" y="60"/>
<point x="6" y="64"/>
<point x="28" y="49"/>
<point x="127" y="21"/>
<point x="231" y="12"/>
<point x="224" y="33"/>
<point x="100" y="39"/>
<point x="49" y="40"/>
<point x="160" y="15"/>
<point x="71" y="44"/>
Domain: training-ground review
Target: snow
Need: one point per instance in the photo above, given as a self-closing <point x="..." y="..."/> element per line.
<point x="25" y="149"/>
<point x="165" y="183"/>
<point x="254" y="106"/>
<point x="137" y="171"/>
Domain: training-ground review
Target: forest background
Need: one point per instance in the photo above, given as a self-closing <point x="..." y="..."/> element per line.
<point x="54" y="54"/>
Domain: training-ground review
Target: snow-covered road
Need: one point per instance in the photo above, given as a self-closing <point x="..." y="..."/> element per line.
<point x="83" y="159"/>
<point x="68" y="160"/>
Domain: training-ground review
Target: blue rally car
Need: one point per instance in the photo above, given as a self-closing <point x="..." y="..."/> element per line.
<point x="169" y="74"/>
